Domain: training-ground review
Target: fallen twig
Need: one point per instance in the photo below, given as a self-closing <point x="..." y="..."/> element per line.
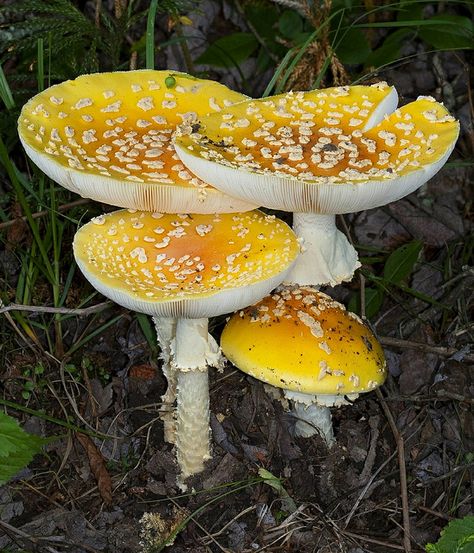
<point x="420" y="346"/>
<point x="39" y="214"/>
<point x="373" y="540"/>
<point x="81" y="312"/>
<point x="402" y="469"/>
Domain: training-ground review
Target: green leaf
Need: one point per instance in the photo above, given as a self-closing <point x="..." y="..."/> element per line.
<point x="229" y="51"/>
<point x="390" y="49"/>
<point x="400" y="262"/>
<point x="457" y="537"/>
<point x="290" y="24"/>
<point x="373" y="302"/>
<point x="409" y="10"/>
<point x="17" y="447"/>
<point x="263" y="18"/>
<point x="456" y="32"/>
<point x="287" y="502"/>
<point x="354" y="47"/>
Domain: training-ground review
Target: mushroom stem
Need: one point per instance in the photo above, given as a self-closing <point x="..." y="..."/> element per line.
<point x="311" y="419"/>
<point x="327" y="257"/>
<point x="165" y="332"/>
<point x="192" y="354"/>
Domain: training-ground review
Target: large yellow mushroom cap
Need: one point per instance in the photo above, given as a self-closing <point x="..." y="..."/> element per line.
<point x="188" y="266"/>
<point x="107" y="136"/>
<point x="302" y="340"/>
<point x="325" y="151"/>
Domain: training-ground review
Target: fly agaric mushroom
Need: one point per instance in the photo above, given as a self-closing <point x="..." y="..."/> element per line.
<point x="107" y="136"/>
<point x="304" y="342"/>
<point x="188" y="267"/>
<point x="318" y="154"/>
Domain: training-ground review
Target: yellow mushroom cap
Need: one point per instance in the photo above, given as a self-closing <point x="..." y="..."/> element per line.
<point x="325" y="151"/>
<point x="302" y="340"/>
<point x="190" y="266"/>
<point x="107" y="136"/>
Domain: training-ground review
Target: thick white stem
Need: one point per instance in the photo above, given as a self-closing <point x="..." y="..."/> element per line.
<point x="313" y="419"/>
<point x="327" y="256"/>
<point x="191" y="351"/>
<point x="165" y="332"/>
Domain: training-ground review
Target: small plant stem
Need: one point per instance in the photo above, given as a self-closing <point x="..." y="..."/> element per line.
<point x="188" y="60"/>
<point x="98" y="8"/>
<point x="150" y="35"/>
<point x="59" y="348"/>
<point x="40" y="69"/>
<point x="402" y="471"/>
<point x="361" y="538"/>
<point x="12" y="173"/>
<point x="59" y="422"/>
<point x="254" y="31"/>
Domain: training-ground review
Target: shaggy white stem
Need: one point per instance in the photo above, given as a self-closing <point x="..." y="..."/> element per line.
<point x="192" y="351"/>
<point x="165" y="332"/>
<point x="312" y="419"/>
<point x="327" y="256"/>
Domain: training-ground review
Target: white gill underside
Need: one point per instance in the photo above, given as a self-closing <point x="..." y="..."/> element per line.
<point x="146" y="196"/>
<point x="222" y="301"/>
<point x="290" y="194"/>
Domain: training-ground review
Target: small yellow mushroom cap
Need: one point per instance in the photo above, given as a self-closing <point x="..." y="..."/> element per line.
<point x="108" y="136"/>
<point x="188" y="266"/>
<point x="328" y="151"/>
<point x="302" y="340"/>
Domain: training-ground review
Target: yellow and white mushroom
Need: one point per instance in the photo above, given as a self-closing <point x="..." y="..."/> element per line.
<point x="108" y="136"/>
<point x="304" y="342"/>
<point x="318" y="154"/>
<point x="187" y="267"/>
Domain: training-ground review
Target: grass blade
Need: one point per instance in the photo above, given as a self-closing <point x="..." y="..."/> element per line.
<point x="150" y="35"/>
<point x="5" y="91"/>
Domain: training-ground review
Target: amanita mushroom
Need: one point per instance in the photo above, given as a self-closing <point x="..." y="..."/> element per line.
<point x="320" y="153"/>
<point x="186" y="267"/>
<point x="108" y="136"/>
<point x="304" y="342"/>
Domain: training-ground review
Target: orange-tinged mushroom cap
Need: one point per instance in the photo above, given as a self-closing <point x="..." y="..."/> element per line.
<point x="107" y="136"/>
<point x="302" y="340"/>
<point x="189" y="266"/>
<point x="324" y="151"/>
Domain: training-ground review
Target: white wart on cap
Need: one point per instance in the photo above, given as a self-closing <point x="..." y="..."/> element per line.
<point x="107" y="136"/>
